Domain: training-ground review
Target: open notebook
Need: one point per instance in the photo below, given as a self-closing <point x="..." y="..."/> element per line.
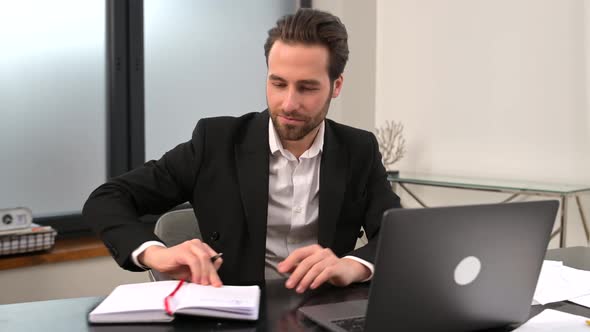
<point x="159" y="301"/>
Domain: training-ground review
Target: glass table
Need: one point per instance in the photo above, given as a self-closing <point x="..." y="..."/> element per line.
<point x="564" y="192"/>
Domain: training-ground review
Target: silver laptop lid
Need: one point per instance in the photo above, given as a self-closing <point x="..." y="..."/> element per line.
<point x="458" y="268"/>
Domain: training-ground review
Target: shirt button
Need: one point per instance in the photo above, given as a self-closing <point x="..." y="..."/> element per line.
<point x="297" y="209"/>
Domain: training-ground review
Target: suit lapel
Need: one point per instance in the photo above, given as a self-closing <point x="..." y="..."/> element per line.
<point x="252" y="158"/>
<point x="252" y="155"/>
<point x="333" y="170"/>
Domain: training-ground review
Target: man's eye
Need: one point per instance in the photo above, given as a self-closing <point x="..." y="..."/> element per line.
<point x="304" y="88"/>
<point x="279" y="85"/>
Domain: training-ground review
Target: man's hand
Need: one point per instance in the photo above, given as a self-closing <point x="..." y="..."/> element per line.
<point x="190" y="260"/>
<point x="313" y="265"/>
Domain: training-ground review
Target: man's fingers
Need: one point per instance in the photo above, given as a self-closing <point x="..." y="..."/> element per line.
<point x="312" y="274"/>
<point x="301" y="270"/>
<point x="208" y="269"/>
<point x="201" y="258"/>
<point x="195" y="260"/>
<point x="186" y="256"/>
<point x="296" y="257"/>
<point x="190" y="260"/>
<point x="214" y="277"/>
<point x="340" y="274"/>
<point x="211" y="276"/>
<point x="212" y="267"/>
<point x="307" y="264"/>
<point x="209" y="250"/>
<point x="324" y="276"/>
<point x="217" y="263"/>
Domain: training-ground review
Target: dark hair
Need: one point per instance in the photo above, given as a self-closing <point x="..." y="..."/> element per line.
<point x="311" y="26"/>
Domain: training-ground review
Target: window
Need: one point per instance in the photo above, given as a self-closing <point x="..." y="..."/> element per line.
<point x="52" y="97"/>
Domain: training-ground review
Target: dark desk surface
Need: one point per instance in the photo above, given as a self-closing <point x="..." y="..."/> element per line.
<point x="278" y="310"/>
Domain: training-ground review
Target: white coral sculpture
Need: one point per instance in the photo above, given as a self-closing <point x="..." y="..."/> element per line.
<point x="391" y="142"/>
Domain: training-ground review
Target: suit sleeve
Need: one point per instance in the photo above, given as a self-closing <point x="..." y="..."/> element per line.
<point x="114" y="208"/>
<point x="380" y="199"/>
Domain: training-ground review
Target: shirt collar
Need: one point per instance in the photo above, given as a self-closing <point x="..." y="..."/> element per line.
<point x="275" y="143"/>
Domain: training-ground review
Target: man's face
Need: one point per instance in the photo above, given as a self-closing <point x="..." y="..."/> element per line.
<point x="298" y="89"/>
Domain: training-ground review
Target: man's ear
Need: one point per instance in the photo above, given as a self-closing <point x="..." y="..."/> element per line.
<point x="337" y="86"/>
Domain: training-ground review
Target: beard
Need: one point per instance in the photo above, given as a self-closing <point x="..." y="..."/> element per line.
<point x="289" y="132"/>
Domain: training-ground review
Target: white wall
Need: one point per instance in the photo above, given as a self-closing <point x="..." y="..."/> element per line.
<point x="491" y="89"/>
<point x="356" y="103"/>
<point x="587" y="55"/>
<point x="487" y="88"/>
<point x="87" y="277"/>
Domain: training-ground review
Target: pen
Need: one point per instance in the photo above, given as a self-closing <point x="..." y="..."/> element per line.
<point x="214" y="258"/>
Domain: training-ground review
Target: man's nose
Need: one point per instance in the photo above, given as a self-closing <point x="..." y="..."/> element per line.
<point x="291" y="101"/>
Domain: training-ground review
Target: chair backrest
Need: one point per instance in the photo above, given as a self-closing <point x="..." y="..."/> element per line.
<point x="173" y="228"/>
<point x="177" y="226"/>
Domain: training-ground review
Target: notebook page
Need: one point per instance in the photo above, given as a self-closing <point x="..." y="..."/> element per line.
<point x="128" y="302"/>
<point x="225" y="301"/>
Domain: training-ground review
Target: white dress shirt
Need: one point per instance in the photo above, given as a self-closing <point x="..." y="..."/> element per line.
<point x="293" y="199"/>
<point x="293" y="203"/>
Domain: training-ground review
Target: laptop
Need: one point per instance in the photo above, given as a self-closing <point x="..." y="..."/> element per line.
<point x="461" y="268"/>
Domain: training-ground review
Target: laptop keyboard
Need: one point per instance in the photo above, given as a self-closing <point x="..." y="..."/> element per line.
<point x="356" y="324"/>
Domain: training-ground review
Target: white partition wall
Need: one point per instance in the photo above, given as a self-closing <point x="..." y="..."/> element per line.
<point x="52" y="103"/>
<point x="203" y="59"/>
<point x="487" y="88"/>
<point x="491" y="89"/>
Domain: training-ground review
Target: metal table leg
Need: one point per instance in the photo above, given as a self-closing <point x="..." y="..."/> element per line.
<point x="412" y="194"/>
<point x="583" y="217"/>
<point x="563" y="234"/>
<point x="509" y="199"/>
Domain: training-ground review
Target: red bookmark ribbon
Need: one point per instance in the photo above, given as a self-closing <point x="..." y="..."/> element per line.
<point x="169" y="297"/>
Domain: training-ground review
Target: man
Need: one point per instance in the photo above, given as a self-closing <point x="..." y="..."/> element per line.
<point x="283" y="192"/>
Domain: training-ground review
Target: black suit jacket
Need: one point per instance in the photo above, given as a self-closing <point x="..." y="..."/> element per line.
<point x="223" y="172"/>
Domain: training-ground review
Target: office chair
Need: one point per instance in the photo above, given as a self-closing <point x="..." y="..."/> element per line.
<point x="173" y="228"/>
